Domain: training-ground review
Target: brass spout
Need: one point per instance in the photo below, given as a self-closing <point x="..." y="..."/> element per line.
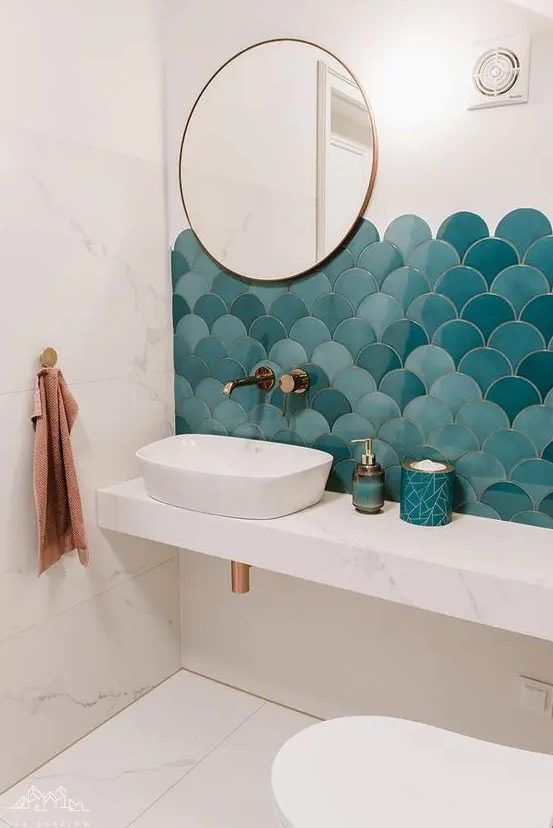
<point x="240" y="577"/>
<point x="263" y="377"/>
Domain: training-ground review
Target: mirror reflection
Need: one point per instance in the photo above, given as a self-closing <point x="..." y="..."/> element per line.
<point x="278" y="160"/>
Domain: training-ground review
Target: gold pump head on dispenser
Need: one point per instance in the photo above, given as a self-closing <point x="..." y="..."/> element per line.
<point x="368" y="457"/>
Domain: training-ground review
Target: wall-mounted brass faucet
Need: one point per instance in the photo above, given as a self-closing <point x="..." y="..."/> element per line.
<point x="263" y="377"/>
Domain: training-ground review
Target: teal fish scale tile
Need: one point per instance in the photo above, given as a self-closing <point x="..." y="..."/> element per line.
<point x="436" y="347"/>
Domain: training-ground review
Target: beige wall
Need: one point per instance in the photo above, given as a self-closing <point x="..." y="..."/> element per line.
<point x="332" y="653"/>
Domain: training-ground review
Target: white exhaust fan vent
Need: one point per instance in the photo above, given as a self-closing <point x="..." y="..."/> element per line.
<point x="500" y="73"/>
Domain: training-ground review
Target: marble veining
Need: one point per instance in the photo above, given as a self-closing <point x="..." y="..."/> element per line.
<point x="437" y="347"/>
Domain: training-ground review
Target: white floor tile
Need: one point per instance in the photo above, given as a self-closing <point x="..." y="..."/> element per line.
<point x="230" y="788"/>
<point x="117" y="771"/>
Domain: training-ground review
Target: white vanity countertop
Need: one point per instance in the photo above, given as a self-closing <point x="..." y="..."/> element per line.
<point x="478" y="569"/>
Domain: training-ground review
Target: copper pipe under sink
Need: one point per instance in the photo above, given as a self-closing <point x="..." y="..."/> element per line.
<point x="240" y="577"/>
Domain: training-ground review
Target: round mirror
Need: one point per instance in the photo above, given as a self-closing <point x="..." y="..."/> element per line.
<point x="277" y="160"/>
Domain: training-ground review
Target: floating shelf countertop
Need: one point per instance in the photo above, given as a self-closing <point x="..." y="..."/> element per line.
<point x="487" y="571"/>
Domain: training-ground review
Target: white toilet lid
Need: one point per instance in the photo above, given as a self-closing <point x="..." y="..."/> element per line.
<point x="376" y="772"/>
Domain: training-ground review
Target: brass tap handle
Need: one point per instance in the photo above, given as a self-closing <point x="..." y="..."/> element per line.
<point x="296" y="382"/>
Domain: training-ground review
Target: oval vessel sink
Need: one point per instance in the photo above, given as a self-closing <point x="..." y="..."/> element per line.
<point x="233" y="476"/>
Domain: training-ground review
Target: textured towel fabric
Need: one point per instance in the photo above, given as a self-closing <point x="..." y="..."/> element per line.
<point x="57" y="498"/>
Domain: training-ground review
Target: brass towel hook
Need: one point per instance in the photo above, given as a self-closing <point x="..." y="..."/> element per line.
<point x="48" y="358"/>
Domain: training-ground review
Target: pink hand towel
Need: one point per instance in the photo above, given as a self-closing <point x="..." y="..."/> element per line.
<point x="56" y="488"/>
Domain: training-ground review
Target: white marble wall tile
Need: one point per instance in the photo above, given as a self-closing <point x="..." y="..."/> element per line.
<point x="86" y="72"/>
<point x="82" y="253"/>
<point x="83" y="258"/>
<point x="118" y="770"/>
<point x="116" y="417"/>
<point x="62" y="678"/>
<point x="239" y="770"/>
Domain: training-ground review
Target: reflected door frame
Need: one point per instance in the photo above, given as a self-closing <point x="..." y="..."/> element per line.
<point x="329" y="79"/>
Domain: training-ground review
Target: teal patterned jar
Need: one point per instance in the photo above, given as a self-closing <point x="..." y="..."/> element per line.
<point x="426" y="497"/>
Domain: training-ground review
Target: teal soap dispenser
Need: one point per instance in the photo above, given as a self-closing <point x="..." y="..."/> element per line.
<point x="368" y="481"/>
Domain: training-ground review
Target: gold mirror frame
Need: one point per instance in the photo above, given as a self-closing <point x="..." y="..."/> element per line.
<point x="370" y="185"/>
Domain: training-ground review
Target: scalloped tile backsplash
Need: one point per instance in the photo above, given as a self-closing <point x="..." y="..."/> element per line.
<point x="436" y="347"/>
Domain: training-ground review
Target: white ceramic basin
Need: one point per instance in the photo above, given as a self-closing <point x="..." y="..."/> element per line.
<point x="233" y="476"/>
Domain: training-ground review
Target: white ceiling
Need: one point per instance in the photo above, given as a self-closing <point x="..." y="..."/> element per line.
<point x="544" y="7"/>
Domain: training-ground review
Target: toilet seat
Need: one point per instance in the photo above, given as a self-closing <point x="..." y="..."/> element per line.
<point x="377" y="772"/>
